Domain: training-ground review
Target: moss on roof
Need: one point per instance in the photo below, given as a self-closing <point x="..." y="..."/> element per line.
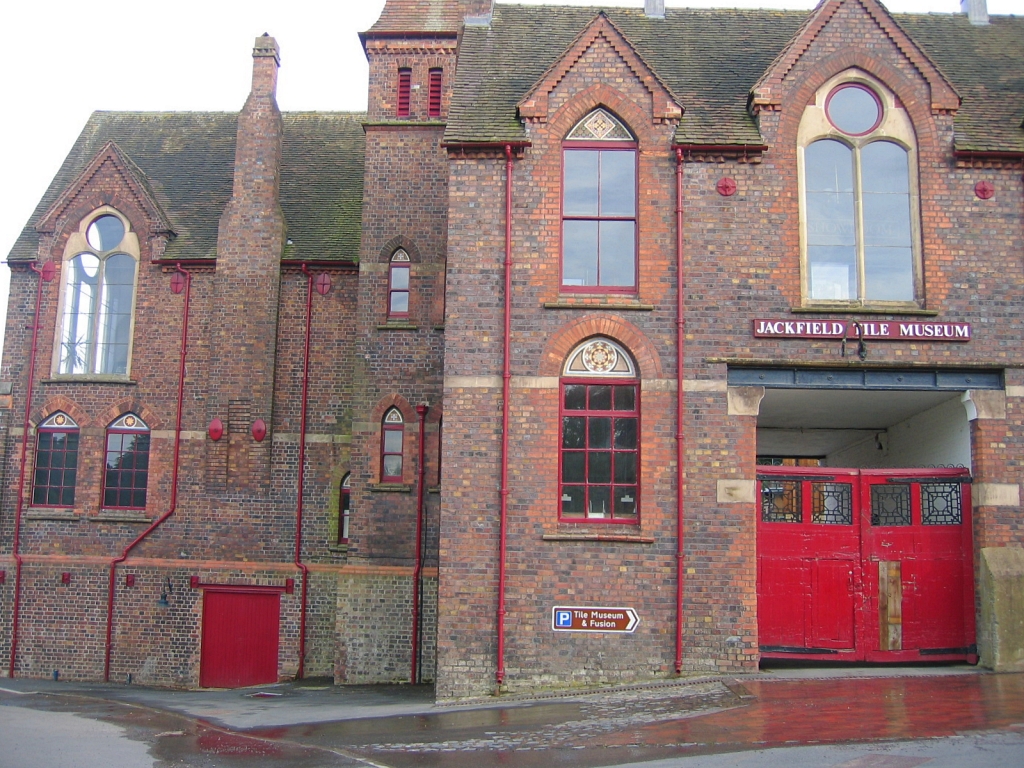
<point x="187" y="159"/>
<point x="712" y="58"/>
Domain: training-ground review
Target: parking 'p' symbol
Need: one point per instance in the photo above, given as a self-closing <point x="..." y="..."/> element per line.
<point x="563" y="618"/>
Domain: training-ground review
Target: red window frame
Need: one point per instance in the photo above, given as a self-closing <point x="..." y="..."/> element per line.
<point x="620" y="485"/>
<point x="392" y="444"/>
<point x="398" y="288"/>
<point x="344" y="508"/>
<point x="122" y="483"/>
<point x="434" y="98"/>
<point x="600" y="147"/>
<point x="56" y="471"/>
<point x="404" y="92"/>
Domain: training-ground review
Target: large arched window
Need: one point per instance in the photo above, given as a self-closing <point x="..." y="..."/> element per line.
<point x="392" y="438"/>
<point x="859" y="203"/>
<point x="599" y="458"/>
<point x="126" y="471"/>
<point x="56" y="462"/>
<point x="99" y="297"/>
<point x="599" y="193"/>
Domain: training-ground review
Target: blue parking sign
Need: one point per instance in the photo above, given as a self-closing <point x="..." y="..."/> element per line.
<point x="563" y="618"/>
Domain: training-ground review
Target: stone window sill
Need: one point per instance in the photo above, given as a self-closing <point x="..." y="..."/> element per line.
<point x="120" y="516"/>
<point x="620" y="538"/>
<point x="87" y="379"/>
<point x="600" y="301"/>
<point x="862" y="309"/>
<point x="338" y="549"/>
<point x="398" y="327"/>
<point x="390" y="488"/>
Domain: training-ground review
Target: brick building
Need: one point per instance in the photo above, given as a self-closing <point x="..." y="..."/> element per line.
<point x="608" y="345"/>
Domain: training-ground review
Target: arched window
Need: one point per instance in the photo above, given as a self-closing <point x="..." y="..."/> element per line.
<point x="99" y="297"/>
<point x="392" y="438"/>
<point x="344" y="507"/>
<point x="56" y="462"/>
<point x="599" y="194"/>
<point x="859" y="202"/>
<point x="599" y="459"/>
<point x="126" y="471"/>
<point x="398" y="285"/>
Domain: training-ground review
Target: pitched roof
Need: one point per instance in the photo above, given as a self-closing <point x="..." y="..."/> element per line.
<point x="711" y="59"/>
<point x="187" y="159"/>
<point x="420" y="16"/>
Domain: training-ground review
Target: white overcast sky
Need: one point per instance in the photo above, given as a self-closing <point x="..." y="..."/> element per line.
<point x="66" y="58"/>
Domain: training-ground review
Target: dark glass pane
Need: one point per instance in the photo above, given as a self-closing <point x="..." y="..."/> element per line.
<point x="42" y="457"/>
<point x="142" y="458"/>
<point x="618" y="253"/>
<point x="618" y="183"/>
<point x="940" y="504"/>
<point x="575" y="397"/>
<point x="128" y="461"/>
<point x="574" y="430"/>
<point x="573" y="467"/>
<point x="53" y="496"/>
<point x="600" y="501"/>
<point x="889" y="274"/>
<point x="573" y="500"/>
<point x="890" y="505"/>
<point x="625" y="467"/>
<point x="884" y="167"/>
<point x="69" y="476"/>
<point x="45" y="440"/>
<point x="581" y="182"/>
<point x="113" y="479"/>
<point x="625" y="433"/>
<point x="139" y="498"/>
<point x="828" y="167"/>
<point x="600" y="398"/>
<point x="780" y="502"/>
<point x="600" y="433"/>
<point x="625" y="502"/>
<point x="40" y="485"/>
<point x="67" y="497"/>
<point x="833" y="272"/>
<point x="57" y="459"/>
<point x="853" y="110"/>
<point x="579" y="253"/>
<point x="599" y="467"/>
<point x="72" y="441"/>
<point x="625" y="398"/>
<point x="110" y="497"/>
<point x="832" y="503"/>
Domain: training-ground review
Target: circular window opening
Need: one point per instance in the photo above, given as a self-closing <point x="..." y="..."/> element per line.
<point x="853" y="109"/>
<point x="105" y="233"/>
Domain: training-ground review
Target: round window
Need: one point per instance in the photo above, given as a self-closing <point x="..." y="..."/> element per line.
<point x="105" y="232"/>
<point x="853" y="109"/>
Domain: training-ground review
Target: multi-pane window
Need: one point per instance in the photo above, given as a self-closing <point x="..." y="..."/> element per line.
<point x="392" y="438"/>
<point x="56" y="462"/>
<point x="404" y="92"/>
<point x="859" y="214"/>
<point x="398" y="285"/>
<point x="99" y="291"/>
<point x="126" y="470"/>
<point x="434" y="93"/>
<point x="344" y="508"/>
<point x="599" y="193"/>
<point x="599" y="460"/>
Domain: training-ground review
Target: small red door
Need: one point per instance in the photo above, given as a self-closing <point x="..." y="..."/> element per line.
<point x="240" y="638"/>
<point x="872" y="565"/>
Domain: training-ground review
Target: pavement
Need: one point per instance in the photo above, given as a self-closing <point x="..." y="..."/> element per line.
<point x="855" y="717"/>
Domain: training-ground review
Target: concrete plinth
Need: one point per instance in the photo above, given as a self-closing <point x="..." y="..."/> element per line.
<point x="1002" y="608"/>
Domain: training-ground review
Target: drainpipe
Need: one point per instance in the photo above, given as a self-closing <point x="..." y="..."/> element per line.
<point x="174" y="475"/>
<point x="506" y="379"/>
<point x="680" y="446"/>
<point x="302" y="476"/>
<point x="421" y="409"/>
<point x="45" y="274"/>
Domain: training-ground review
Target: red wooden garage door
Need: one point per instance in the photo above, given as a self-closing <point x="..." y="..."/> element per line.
<point x="240" y="638"/>
<point x="872" y="565"/>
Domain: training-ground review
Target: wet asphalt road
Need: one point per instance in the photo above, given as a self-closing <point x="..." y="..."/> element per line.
<point x="961" y="719"/>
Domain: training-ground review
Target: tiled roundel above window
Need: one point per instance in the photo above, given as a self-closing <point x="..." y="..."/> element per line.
<point x="853" y="109"/>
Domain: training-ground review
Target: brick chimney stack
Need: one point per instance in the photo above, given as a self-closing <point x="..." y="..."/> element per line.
<point x="250" y="242"/>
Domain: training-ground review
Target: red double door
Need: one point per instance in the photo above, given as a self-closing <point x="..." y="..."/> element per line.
<point x="865" y="565"/>
<point x="240" y="637"/>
